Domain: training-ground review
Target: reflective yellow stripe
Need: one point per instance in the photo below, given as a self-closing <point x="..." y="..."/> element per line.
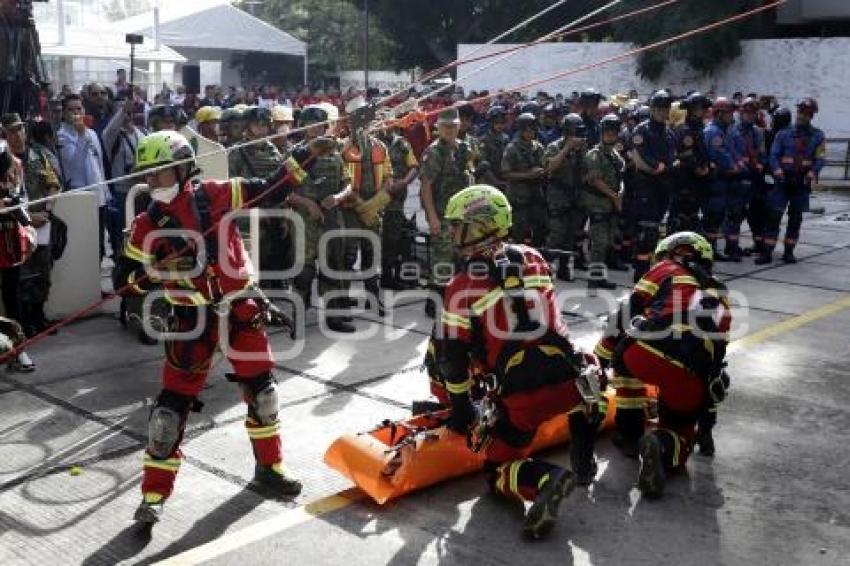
<point x="515" y="360"/>
<point x="552" y="351"/>
<point x="631" y="402"/>
<point x="660" y="354"/>
<point x="646" y="287"/>
<point x="620" y="382"/>
<point x="458" y="388"/>
<point x="537" y="282"/>
<point x="677" y="445"/>
<point x="514" y="471"/>
<point x="196" y="299"/>
<point x="542" y="481"/>
<point x="452" y="319"/>
<point x="151" y="497"/>
<point x="685" y="280"/>
<point x="602" y="351"/>
<point x="169" y="465"/>
<point x="131" y="280"/>
<point x="236" y="201"/>
<point x="512" y="282"/>
<point x="263" y="432"/>
<point x="487" y="301"/>
<point x="135" y="253"/>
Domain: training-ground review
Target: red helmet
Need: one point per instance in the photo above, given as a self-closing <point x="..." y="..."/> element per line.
<point x="723" y="104"/>
<point x="750" y="104"/>
<point x="808" y="104"/>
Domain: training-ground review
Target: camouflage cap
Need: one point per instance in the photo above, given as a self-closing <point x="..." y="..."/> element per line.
<point x="448" y="116"/>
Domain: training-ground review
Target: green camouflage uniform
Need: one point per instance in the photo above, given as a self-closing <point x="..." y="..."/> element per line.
<point x="449" y="171"/>
<point x="261" y="160"/>
<point x="565" y="190"/>
<point x="606" y="164"/>
<point x="39" y="180"/>
<point x="397" y="234"/>
<point x="327" y="176"/>
<point x="526" y="197"/>
<point x="492" y="148"/>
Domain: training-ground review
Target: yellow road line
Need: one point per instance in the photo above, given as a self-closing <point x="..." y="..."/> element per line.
<point x="790" y="324"/>
<point x="300" y="515"/>
<point x="264" y="529"/>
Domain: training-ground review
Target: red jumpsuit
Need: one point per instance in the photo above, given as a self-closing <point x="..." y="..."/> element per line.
<point x="687" y="323"/>
<point x="478" y="320"/>
<point x="227" y="277"/>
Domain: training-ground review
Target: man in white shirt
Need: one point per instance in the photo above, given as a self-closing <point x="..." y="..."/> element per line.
<point x="81" y="158"/>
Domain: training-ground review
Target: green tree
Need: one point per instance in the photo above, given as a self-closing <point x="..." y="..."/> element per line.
<point x="704" y="53"/>
<point x="333" y="31"/>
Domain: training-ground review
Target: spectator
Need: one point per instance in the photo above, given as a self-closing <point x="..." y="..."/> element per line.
<point x="81" y="158"/>
<point x="122" y="87"/>
<point x="120" y="137"/>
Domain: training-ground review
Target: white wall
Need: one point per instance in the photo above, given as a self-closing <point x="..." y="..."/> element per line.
<point x="787" y="68"/>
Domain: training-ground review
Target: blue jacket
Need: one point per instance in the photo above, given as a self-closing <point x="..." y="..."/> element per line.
<point x="749" y="140"/>
<point x="798" y="150"/>
<point x="655" y="143"/>
<point x="723" y="146"/>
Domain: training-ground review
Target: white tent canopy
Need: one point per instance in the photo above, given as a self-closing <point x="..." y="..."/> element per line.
<point x="100" y="44"/>
<point x="216" y="27"/>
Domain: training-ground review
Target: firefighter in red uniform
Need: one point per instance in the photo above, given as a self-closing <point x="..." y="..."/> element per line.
<point x="207" y="276"/>
<point x="672" y="334"/>
<point x="501" y="310"/>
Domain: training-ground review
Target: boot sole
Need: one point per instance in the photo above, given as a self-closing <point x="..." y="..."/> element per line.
<point x="543" y="514"/>
<point x="145" y="516"/>
<point x="651" y="475"/>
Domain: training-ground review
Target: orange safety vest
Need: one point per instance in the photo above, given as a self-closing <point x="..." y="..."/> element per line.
<point x="353" y="159"/>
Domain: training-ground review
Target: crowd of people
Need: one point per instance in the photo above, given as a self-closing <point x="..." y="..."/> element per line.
<point x="524" y="186"/>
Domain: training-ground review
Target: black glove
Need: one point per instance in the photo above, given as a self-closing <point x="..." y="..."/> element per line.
<point x="463" y="413"/>
<point x="276" y="317"/>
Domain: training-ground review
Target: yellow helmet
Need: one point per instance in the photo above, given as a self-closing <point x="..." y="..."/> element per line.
<point x="207" y="114"/>
<point x="484" y="212"/>
<point x="701" y="247"/>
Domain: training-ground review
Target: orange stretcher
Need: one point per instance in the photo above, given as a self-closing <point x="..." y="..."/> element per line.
<point x="399" y="457"/>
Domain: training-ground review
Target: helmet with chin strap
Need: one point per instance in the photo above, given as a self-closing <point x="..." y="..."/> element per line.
<point x="692" y="244"/>
<point x="484" y="214"/>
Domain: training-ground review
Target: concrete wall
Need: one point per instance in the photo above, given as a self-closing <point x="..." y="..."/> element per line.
<point x="787" y="68"/>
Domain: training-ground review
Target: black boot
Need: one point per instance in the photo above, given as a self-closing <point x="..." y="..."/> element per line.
<point x="614" y="262"/>
<point x="374" y="291"/>
<point x="630" y="424"/>
<point x="582" y="437"/>
<point x="651" y="477"/>
<point x="543" y="513"/>
<point x="788" y="255"/>
<point x="580" y="261"/>
<point x="565" y="269"/>
<point x="766" y="256"/>
<point x="338" y="322"/>
<point x="279" y="482"/>
<point x="718" y="255"/>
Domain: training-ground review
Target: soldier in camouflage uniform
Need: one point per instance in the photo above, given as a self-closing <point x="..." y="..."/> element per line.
<point x="40" y="180"/>
<point x="368" y="164"/>
<point x="564" y="162"/>
<point x="492" y="147"/>
<point x="397" y="235"/>
<point x="602" y="198"/>
<point x="446" y="170"/>
<point x="522" y="167"/>
<point x="327" y="186"/>
<point x="232" y="125"/>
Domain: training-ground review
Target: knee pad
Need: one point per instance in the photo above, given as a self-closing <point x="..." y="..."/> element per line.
<point x="167" y="421"/>
<point x="262" y="397"/>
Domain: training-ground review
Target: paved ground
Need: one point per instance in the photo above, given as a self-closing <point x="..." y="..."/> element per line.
<point x="777" y="493"/>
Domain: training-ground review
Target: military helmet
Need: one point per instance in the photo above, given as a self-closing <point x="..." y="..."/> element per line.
<point x="808" y="104"/>
<point x="590" y="95"/>
<point x="162" y="148"/>
<point x="550" y="109"/>
<point x="610" y="122"/>
<point x="496" y="113"/>
<point x="483" y="211"/>
<point x="723" y="104"/>
<point x="312" y="115"/>
<point x="258" y="114"/>
<point x="207" y="114"/>
<point x="642" y="113"/>
<point x="525" y="120"/>
<point x="573" y="126"/>
<point x="696" y="100"/>
<point x="660" y="99"/>
<point x="167" y="112"/>
<point x="281" y="113"/>
<point x="780" y="119"/>
<point x="530" y="107"/>
<point x="700" y="247"/>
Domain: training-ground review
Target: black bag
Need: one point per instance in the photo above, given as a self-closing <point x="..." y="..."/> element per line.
<point x="58" y="236"/>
